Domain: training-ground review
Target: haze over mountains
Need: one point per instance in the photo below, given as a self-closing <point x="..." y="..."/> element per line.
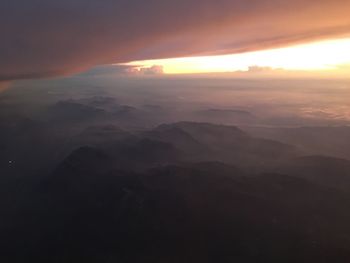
<point x="182" y="170"/>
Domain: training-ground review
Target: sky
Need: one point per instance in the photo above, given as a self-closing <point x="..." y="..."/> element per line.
<point x="52" y="38"/>
<point x="327" y="56"/>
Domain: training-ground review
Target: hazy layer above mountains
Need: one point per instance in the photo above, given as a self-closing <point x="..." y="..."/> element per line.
<point x="226" y="101"/>
<point x="94" y="169"/>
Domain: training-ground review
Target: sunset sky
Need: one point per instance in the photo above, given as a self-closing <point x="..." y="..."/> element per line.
<point x="322" y="56"/>
<point x="56" y="38"/>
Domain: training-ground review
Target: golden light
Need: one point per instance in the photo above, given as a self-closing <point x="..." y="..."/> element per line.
<point x="324" y="55"/>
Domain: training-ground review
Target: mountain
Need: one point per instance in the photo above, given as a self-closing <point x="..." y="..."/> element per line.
<point x="189" y="146"/>
<point x="72" y="111"/>
<point x="222" y="143"/>
<point x="99" y="135"/>
<point x="329" y="141"/>
<point x="328" y="171"/>
<point x="227" y="116"/>
<point x="176" y="213"/>
<point x="180" y="192"/>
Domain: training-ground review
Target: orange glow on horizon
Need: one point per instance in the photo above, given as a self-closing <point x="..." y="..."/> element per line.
<point x="319" y="56"/>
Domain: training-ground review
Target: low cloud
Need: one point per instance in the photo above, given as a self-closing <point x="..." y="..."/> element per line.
<point x="124" y="70"/>
<point x="154" y="70"/>
<point x="53" y="38"/>
<point x="258" y="70"/>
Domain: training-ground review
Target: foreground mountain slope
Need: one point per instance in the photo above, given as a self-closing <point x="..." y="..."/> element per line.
<point x="328" y="171"/>
<point x="182" y="192"/>
<point x="199" y="212"/>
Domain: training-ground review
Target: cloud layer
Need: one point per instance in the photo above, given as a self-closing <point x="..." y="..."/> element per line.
<point x="57" y="37"/>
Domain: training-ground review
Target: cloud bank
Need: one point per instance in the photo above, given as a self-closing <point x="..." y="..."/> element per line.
<point x="123" y="70"/>
<point x="58" y="37"/>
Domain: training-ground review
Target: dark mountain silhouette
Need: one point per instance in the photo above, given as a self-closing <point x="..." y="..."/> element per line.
<point x="328" y="171"/>
<point x="178" y="213"/>
<point x="103" y="102"/>
<point x="181" y="192"/>
<point x="85" y="160"/>
<point x="99" y="135"/>
<point x="189" y="146"/>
